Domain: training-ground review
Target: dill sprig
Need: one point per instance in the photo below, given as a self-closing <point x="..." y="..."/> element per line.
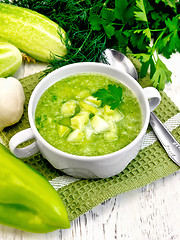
<point x="87" y="50"/>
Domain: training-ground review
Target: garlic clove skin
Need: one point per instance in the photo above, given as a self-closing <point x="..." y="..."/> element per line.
<point x="12" y="100"/>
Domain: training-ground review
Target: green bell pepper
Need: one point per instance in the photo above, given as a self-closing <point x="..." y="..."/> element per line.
<point x="27" y="200"/>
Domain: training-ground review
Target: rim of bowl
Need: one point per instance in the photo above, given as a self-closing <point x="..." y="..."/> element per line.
<point x="81" y="157"/>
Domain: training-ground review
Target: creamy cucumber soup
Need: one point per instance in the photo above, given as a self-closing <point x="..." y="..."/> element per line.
<point x="71" y="119"/>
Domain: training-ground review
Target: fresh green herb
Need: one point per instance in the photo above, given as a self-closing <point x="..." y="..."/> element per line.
<point x="111" y="96"/>
<point x="140" y="27"/>
<point x="144" y="29"/>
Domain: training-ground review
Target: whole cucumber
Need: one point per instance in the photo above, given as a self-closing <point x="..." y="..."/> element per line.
<point x="31" y="32"/>
<point x="10" y="59"/>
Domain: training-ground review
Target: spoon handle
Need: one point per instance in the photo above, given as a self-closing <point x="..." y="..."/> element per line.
<point x="169" y="143"/>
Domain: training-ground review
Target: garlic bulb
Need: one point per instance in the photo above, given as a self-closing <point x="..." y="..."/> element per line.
<point x="12" y="100"/>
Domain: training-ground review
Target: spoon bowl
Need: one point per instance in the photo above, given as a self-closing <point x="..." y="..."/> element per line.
<point x="119" y="61"/>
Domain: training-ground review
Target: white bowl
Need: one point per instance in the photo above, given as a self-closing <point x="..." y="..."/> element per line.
<point x="85" y="166"/>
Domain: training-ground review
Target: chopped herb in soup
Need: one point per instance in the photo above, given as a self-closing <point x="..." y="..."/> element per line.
<point x="72" y="119"/>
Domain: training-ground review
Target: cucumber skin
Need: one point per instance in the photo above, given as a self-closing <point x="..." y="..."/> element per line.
<point x="10" y="59"/>
<point x="31" y="32"/>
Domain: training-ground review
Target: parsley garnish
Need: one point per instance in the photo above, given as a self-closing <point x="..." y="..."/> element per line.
<point x="111" y="96"/>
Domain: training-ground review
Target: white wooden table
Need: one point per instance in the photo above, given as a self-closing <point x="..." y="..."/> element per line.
<point x="148" y="213"/>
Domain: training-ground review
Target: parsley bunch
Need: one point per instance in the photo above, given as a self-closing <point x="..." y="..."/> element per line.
<point x="142" y="28"/>
<point x="147" y="28"/>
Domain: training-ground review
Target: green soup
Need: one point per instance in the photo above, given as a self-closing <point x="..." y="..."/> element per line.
<point x="70" y="119"/>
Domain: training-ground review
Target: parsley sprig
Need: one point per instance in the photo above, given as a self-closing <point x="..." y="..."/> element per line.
<point x="111" y="96"/>
<point x="142" y="28"/>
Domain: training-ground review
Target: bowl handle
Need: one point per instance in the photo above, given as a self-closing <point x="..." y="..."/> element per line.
<point x="153" y="97"/>
<point x="22" y="137"/>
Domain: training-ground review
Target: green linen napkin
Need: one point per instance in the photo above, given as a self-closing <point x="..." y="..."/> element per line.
<point x="151" y="163"/>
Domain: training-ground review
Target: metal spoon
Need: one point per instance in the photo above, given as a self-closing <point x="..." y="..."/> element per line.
<point x="169" y="143"/>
